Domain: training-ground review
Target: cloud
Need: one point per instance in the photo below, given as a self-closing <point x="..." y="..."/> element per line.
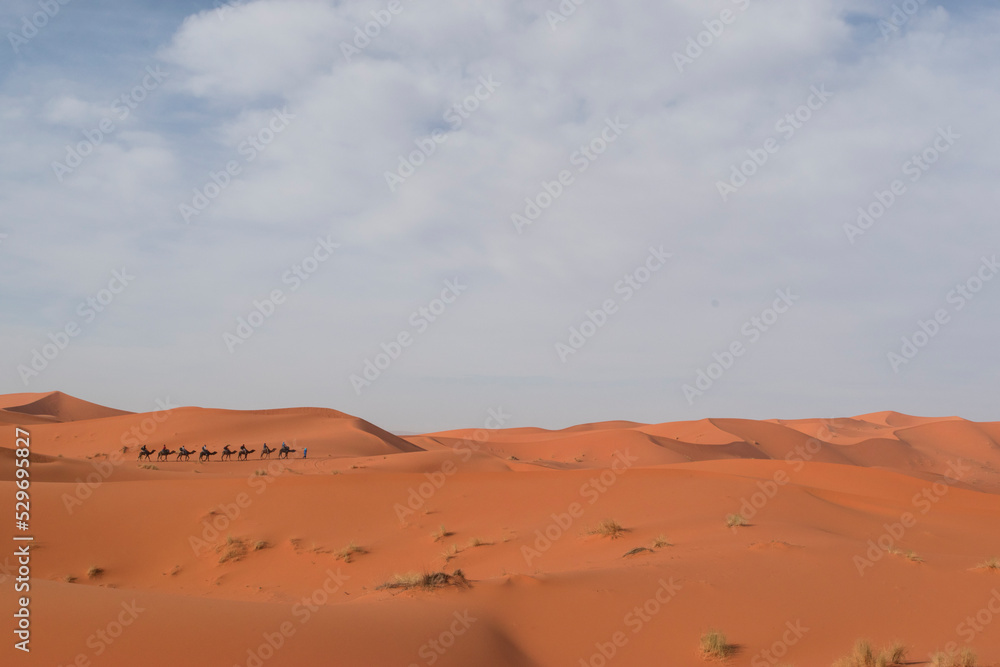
<point x="254" y="49"/>
<point x="362" y="112"/>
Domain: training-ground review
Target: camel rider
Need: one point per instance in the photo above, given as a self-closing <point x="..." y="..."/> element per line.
<point x="204" y="449"/>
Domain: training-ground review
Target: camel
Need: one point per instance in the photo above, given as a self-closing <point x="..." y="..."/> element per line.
<point x="164" y="453"/>
<point x="184" y="453"/>
<point x="144" y="453"/>
<point x="206" y="455"/>
<point x="227" y="453"/>
<point x="242" y="456"/>
<point x="285" y="451"/>
<point x="266" y="452"/>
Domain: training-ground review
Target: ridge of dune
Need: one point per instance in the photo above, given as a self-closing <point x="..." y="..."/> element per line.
<point x="57" y="406"/>
<point x="917" y="446"/>
<point x="8" y="400"/>
<point x="325" y="432"/>
<point x="702" y="432"/>
<point x="900" y="420"/>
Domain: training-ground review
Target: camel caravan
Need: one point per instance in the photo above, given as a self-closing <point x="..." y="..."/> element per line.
<point x="205" y="455"/>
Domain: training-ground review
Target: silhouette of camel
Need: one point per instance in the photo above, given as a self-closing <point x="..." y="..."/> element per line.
<point x="184" y="453"/>
<point x="285" y="451"/>
<point x="266" y="452"/>
<point x="242" y="456"/>
<point x="227" y="453"/>
<point x="206" y="455"/>
<point x="164" y="453"/>
<point x="144" y="453"/>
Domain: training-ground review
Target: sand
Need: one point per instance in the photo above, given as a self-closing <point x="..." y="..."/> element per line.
<point x="864" y="527"/>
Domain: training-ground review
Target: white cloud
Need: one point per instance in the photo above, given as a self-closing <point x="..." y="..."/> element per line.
<point x="656" y="185"/>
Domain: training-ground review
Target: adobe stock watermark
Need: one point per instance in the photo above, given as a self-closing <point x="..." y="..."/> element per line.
<point x="455" y="116"/>
<point x="590" y="491"/>
<point x="264" y="309"/>
<point x="562" y="12"/>
<point x="582" y="158"/>
<point x="420" y="320"/>
<point x="224" y="515"/>
<point x="914" y="169"/>
<point x="87" y="310"/>
<point x="923" y="502"/>
<point x="365" y="34"/>
<point x="34" y="23"/>
<point x="627" y="287"/>
<point x="122" y="107"/>
<point x="768" y="489"/>
<point x="787" y="126"/>
<point x="418" y="496"/>
<point x="707" y="38"/>
<point x="138" y="435"/>
<point x="102" y="639"/>
<point x="249" y="150"/>
<point x="957" y="299"/>
<point x="303" y="611"/>
<point x="973" y="625"/>
<point x="636" y="620"/>
<point x="434" y="649"/>
<point x="793" y="634"/>
<point x="752" y="330"/>
<point x="900" y="16"/>
<point x="8" y="570"/>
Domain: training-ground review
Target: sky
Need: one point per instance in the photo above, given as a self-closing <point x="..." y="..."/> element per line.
<point x="425" y="213"/>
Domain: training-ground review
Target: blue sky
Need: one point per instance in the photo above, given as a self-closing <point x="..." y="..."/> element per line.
<point x="471" y="205"/>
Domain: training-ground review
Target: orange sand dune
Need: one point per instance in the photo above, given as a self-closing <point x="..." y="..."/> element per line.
<point x="324" y="432"/>
<point x="56" y="406"/>
<point x="215" y="560"/>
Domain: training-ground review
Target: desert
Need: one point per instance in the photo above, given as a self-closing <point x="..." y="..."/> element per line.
<point x="612" y="542"/>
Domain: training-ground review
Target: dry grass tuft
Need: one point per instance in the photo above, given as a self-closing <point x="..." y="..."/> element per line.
<point x="660" y="542"/>
<point x="967" y="658"/>
<point x="94" y="572"/>
<point x="714" y="646"/>
<point x="910" y="555"/>
<point x="441" y="533"/>
<point x="347" y="553"/>
<point x="865" y="655"/>
<point x="992" y="563"/>
<point x="234" y="549"/>
<point x="426" y="581"/>
<point x="450" y="552"/>
<point x="608" y="528"/>
<point x="735" y="520"/>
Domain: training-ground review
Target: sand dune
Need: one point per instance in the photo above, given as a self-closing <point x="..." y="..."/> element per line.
<point x="57" y="406"/>
<point x="222" y="554"/>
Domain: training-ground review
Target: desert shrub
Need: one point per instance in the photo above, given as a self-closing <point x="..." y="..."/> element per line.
<point x="426" y="580"/>
<point x="608" y="528"/>
<point x="715" y="646"/>
<point x="347" y="553"/>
